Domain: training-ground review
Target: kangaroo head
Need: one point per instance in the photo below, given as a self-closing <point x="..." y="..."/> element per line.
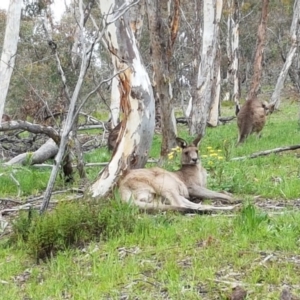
<point x="268" y="107"/>
<point x="190" y="152"/>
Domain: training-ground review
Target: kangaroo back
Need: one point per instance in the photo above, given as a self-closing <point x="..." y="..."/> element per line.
<point x="252" y="117"/>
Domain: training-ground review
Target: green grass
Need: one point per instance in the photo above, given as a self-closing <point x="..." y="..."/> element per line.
<point x="112" y="251"/>
<point x="167" y="255"/>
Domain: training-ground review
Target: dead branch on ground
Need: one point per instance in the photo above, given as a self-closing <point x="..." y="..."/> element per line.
<point x="267" y="152"/>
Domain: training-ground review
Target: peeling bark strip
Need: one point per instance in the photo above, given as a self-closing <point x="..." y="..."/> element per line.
<point x="136" y="98"/>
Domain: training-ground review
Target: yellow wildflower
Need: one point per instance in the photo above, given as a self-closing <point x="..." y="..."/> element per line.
<point x="219" y="150"/>
<point x="220" y="157"/>
<point x="204" y="155"/>
<point x="213" y="154"/>
<point x="209" y="147"/>
<point x="170" y="155"/>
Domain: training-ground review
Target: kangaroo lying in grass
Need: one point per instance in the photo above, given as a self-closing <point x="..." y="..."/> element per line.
<point x="252" y="117"/>
<point x="156" y="188"/>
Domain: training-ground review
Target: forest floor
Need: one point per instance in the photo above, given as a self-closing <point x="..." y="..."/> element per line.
<point x="251" y="252"/>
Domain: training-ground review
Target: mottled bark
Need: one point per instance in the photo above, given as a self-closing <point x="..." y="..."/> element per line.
<point x="260" y="46"/>
<point x="136" y="98"/>
<point x="202" y="104"/>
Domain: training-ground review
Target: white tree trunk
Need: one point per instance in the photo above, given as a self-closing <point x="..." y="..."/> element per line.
<point x="216" y="84"/>
<point x="9" y="50"/>
<point x="233" y="48"/>
<point x="136" y="98"/>
<point x="201" y="105"/>
<point x="294" y="33"/>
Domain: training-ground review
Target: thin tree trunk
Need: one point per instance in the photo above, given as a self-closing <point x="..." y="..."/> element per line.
<point x="9" y="50"/>
<point x="216" y="85"/>
<point x="233" y="49"/>
<point x="137" y="102"/>
<point x="260" y="45"/>
<point x="294" y="33"/>
<point x="163" y="20"/>
<point x="196" y="58"/>
<point x="202" y="104"/>
<point x="67" y="126"/>
<point x="215" y="106"/>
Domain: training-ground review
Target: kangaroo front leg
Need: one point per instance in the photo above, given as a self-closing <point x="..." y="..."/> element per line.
<point x="205" y="193"/>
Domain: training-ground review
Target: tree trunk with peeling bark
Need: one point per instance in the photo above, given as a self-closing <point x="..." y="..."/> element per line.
<point x="9" y="50"/>
<point x="260" y="46"/>
<point x="136" y="98"/>
<point x="294" y="35"/>
<point x="202" y="104"/>
<point x="137" y="13"/>
<point x="163" y="17"/>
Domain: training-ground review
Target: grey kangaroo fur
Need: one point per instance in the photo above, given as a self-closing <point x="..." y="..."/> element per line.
<point x="156" y="188"/>
<point x="252" y="117"/>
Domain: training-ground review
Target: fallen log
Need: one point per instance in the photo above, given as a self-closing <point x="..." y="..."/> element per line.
<point x="46" y="151"/>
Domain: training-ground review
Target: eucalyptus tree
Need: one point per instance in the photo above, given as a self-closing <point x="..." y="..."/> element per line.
<point x="259" y="51"/>
<point x="9" y="50"/>
<point x="294" y="42"/>
<point x="232" y="47"/>
<point x="207" y="69"/>
<point x="136" y="96"/>
<point x="163" y="18"/>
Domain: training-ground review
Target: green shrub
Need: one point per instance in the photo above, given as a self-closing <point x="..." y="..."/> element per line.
<point x="72" y="224"/>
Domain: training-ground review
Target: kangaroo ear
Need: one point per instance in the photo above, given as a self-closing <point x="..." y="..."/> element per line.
<point x="197" y="140"/>
<point x="181" y="143"/>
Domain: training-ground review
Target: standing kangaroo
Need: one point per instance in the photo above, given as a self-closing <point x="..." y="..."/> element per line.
<point x="252" y="117"/>
<point x="157" y="188"/>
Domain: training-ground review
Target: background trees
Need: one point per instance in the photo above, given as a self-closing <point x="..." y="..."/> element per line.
<point x="150" y="40"/>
